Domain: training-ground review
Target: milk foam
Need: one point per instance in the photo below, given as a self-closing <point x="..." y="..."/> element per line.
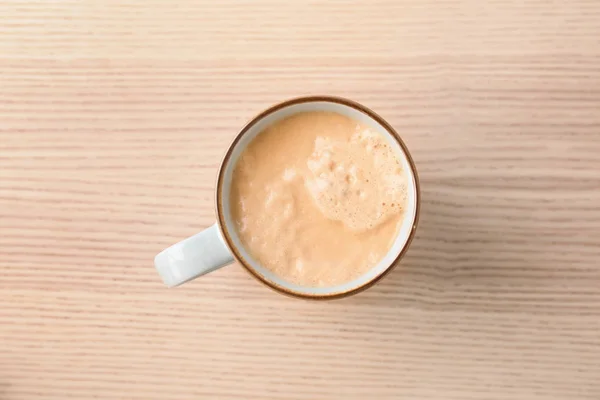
<point x="359" y="182"/>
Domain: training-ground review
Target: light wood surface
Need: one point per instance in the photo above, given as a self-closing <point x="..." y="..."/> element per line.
<point x="114" y="116"/>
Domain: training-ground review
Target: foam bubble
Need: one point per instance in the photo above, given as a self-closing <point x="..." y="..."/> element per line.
<point x="289" y="174"/>
<point x="288" y="210"/>
<point x="242" y="224"/>
<point x="270" y="197"/>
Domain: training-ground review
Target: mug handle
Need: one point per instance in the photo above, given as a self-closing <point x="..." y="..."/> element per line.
<point x="193" y="257"/>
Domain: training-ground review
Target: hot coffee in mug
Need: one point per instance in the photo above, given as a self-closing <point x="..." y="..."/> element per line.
<point x="317" y="197"/>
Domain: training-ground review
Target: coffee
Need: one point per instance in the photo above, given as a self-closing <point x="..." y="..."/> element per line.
<point x="318" y="198"/>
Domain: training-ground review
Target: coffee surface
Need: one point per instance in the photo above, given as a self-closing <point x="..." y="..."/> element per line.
<point x="318" y="198"/>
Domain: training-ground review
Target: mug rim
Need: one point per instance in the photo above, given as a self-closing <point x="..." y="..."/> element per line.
<point x="219" y="198"/>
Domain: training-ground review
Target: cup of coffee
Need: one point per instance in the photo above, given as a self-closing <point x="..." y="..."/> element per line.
<point x="317" y="197"/>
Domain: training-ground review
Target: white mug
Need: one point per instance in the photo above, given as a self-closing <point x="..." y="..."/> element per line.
<point x="219" y="245"/>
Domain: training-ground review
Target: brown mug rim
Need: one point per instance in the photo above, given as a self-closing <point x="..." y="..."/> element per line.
<point x="219" y="200"/>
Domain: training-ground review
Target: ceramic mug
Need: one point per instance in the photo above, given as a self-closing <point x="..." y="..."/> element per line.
<point x="219" y="245"/>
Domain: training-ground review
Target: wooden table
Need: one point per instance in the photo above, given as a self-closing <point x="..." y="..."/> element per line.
<point x="114" y="116"/>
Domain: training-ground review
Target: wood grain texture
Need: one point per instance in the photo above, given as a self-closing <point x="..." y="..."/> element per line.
<point x="114" y="116"/>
